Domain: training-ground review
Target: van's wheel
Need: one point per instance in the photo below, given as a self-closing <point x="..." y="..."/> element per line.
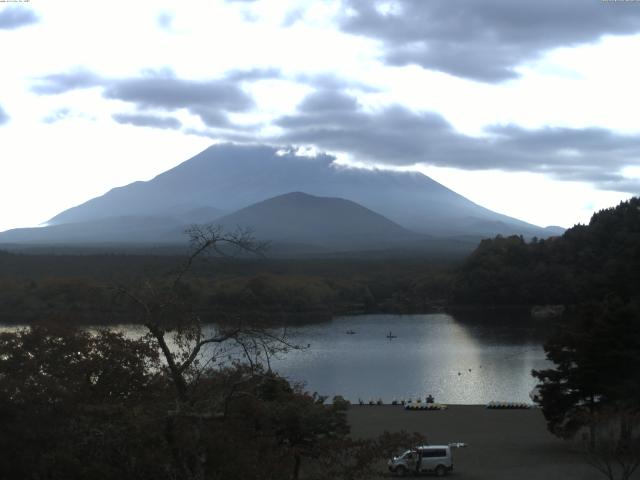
<point x="401" y="471"/>
<point x="441" y="471"/>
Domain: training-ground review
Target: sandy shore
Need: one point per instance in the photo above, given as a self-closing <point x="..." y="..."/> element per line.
<point x="502" y="444"/>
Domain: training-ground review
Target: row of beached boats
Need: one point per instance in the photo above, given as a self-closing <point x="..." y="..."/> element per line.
<point x="429" y="404"/>
<point x="389" y="335"/>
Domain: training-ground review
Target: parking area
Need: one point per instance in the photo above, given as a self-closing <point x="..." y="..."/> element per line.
<point x="502" y="444"/>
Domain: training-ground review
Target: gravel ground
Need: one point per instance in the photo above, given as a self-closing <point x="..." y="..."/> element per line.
<point x="502" y="444"/>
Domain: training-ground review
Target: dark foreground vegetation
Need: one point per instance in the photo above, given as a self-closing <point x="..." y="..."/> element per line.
<point x="74" y="405"/>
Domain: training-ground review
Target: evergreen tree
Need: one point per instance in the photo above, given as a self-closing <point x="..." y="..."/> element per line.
<point x="596" y="354"/>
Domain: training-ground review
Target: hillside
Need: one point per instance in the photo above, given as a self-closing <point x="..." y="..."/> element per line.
<point x="132" y="229"/>
<point x="328" y="222"/>
<point x="588" y="262"/>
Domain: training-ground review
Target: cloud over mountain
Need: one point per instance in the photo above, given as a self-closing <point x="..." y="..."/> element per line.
<point x="335" y="122"/>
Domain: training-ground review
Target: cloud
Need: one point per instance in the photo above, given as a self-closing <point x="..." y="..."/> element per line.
<point x="253" y="74"/>
<point x="210" y="100"/>
<point x="4" y="117"/>
<point x="142" y="120"/>
<point x="165" y="21"/>
<point x="293" y="16"/>
<point x="395" y="135"/>
<point x="485" y="40"/>
<point x="63" y="82"/>
<point x="329" y="81"/>
<point x="212" y="118"/>
<point x="327" y="101"/>
<point x="172" y="93"/>
<point x="153" y="90"/>
<point x="57" y="115"/>
<point x="16" y="17"/>
<point x="227" y="136"/>
<point x="323" y="81"/>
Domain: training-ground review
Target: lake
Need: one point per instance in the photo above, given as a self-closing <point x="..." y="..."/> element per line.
<point x="466" y="358"/>
<point x="460" y="361"/>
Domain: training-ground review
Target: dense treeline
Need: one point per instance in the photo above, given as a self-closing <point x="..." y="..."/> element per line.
<point x="81" y="289"/>
<point x="587" y="262"/>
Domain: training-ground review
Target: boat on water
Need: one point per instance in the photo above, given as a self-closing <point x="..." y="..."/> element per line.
<point x="391" y="335"/>
<point x="350" y="332"/>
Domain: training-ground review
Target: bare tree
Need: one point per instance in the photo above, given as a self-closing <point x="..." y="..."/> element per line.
<point x="190" y="347"/>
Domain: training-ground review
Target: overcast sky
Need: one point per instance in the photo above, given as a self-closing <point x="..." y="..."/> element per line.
<point x="527" y="108"/>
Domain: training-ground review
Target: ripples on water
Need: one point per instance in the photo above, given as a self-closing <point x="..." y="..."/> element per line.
<point x="464" y="363"/>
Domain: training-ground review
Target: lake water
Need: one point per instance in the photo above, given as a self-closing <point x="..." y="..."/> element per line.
<point x="463" y="362"/>
<point x="462" y="359"/>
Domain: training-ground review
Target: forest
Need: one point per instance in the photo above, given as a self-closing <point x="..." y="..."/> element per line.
<point x="587" y="262"/>
<point x="82" y="289"/>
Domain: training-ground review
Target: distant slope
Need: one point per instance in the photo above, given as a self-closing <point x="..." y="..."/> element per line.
<point x="125" y="229"/>
<point x="230" y="177"/>
<point x="294" y="224"/>
<point x="328" y="222"/>
<point x="128" y="229"/>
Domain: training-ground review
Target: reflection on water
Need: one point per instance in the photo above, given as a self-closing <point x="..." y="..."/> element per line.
<point x="465" y="363"/>
<point x="463" y="360"/>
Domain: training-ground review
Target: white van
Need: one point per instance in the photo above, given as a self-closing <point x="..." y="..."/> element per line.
<point x="423" y="459"/>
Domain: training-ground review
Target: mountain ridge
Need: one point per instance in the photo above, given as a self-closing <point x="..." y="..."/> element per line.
<point x="259" y="186"/>
<point x="230" y="177"/>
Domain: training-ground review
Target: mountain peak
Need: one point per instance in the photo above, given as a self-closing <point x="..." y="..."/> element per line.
<point x="302" y="193"/>
<point x="230" y="177"/>
<point x="298" y="217"/>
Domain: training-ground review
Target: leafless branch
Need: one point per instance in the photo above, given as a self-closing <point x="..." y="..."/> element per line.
<point x="198" y="346"/>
